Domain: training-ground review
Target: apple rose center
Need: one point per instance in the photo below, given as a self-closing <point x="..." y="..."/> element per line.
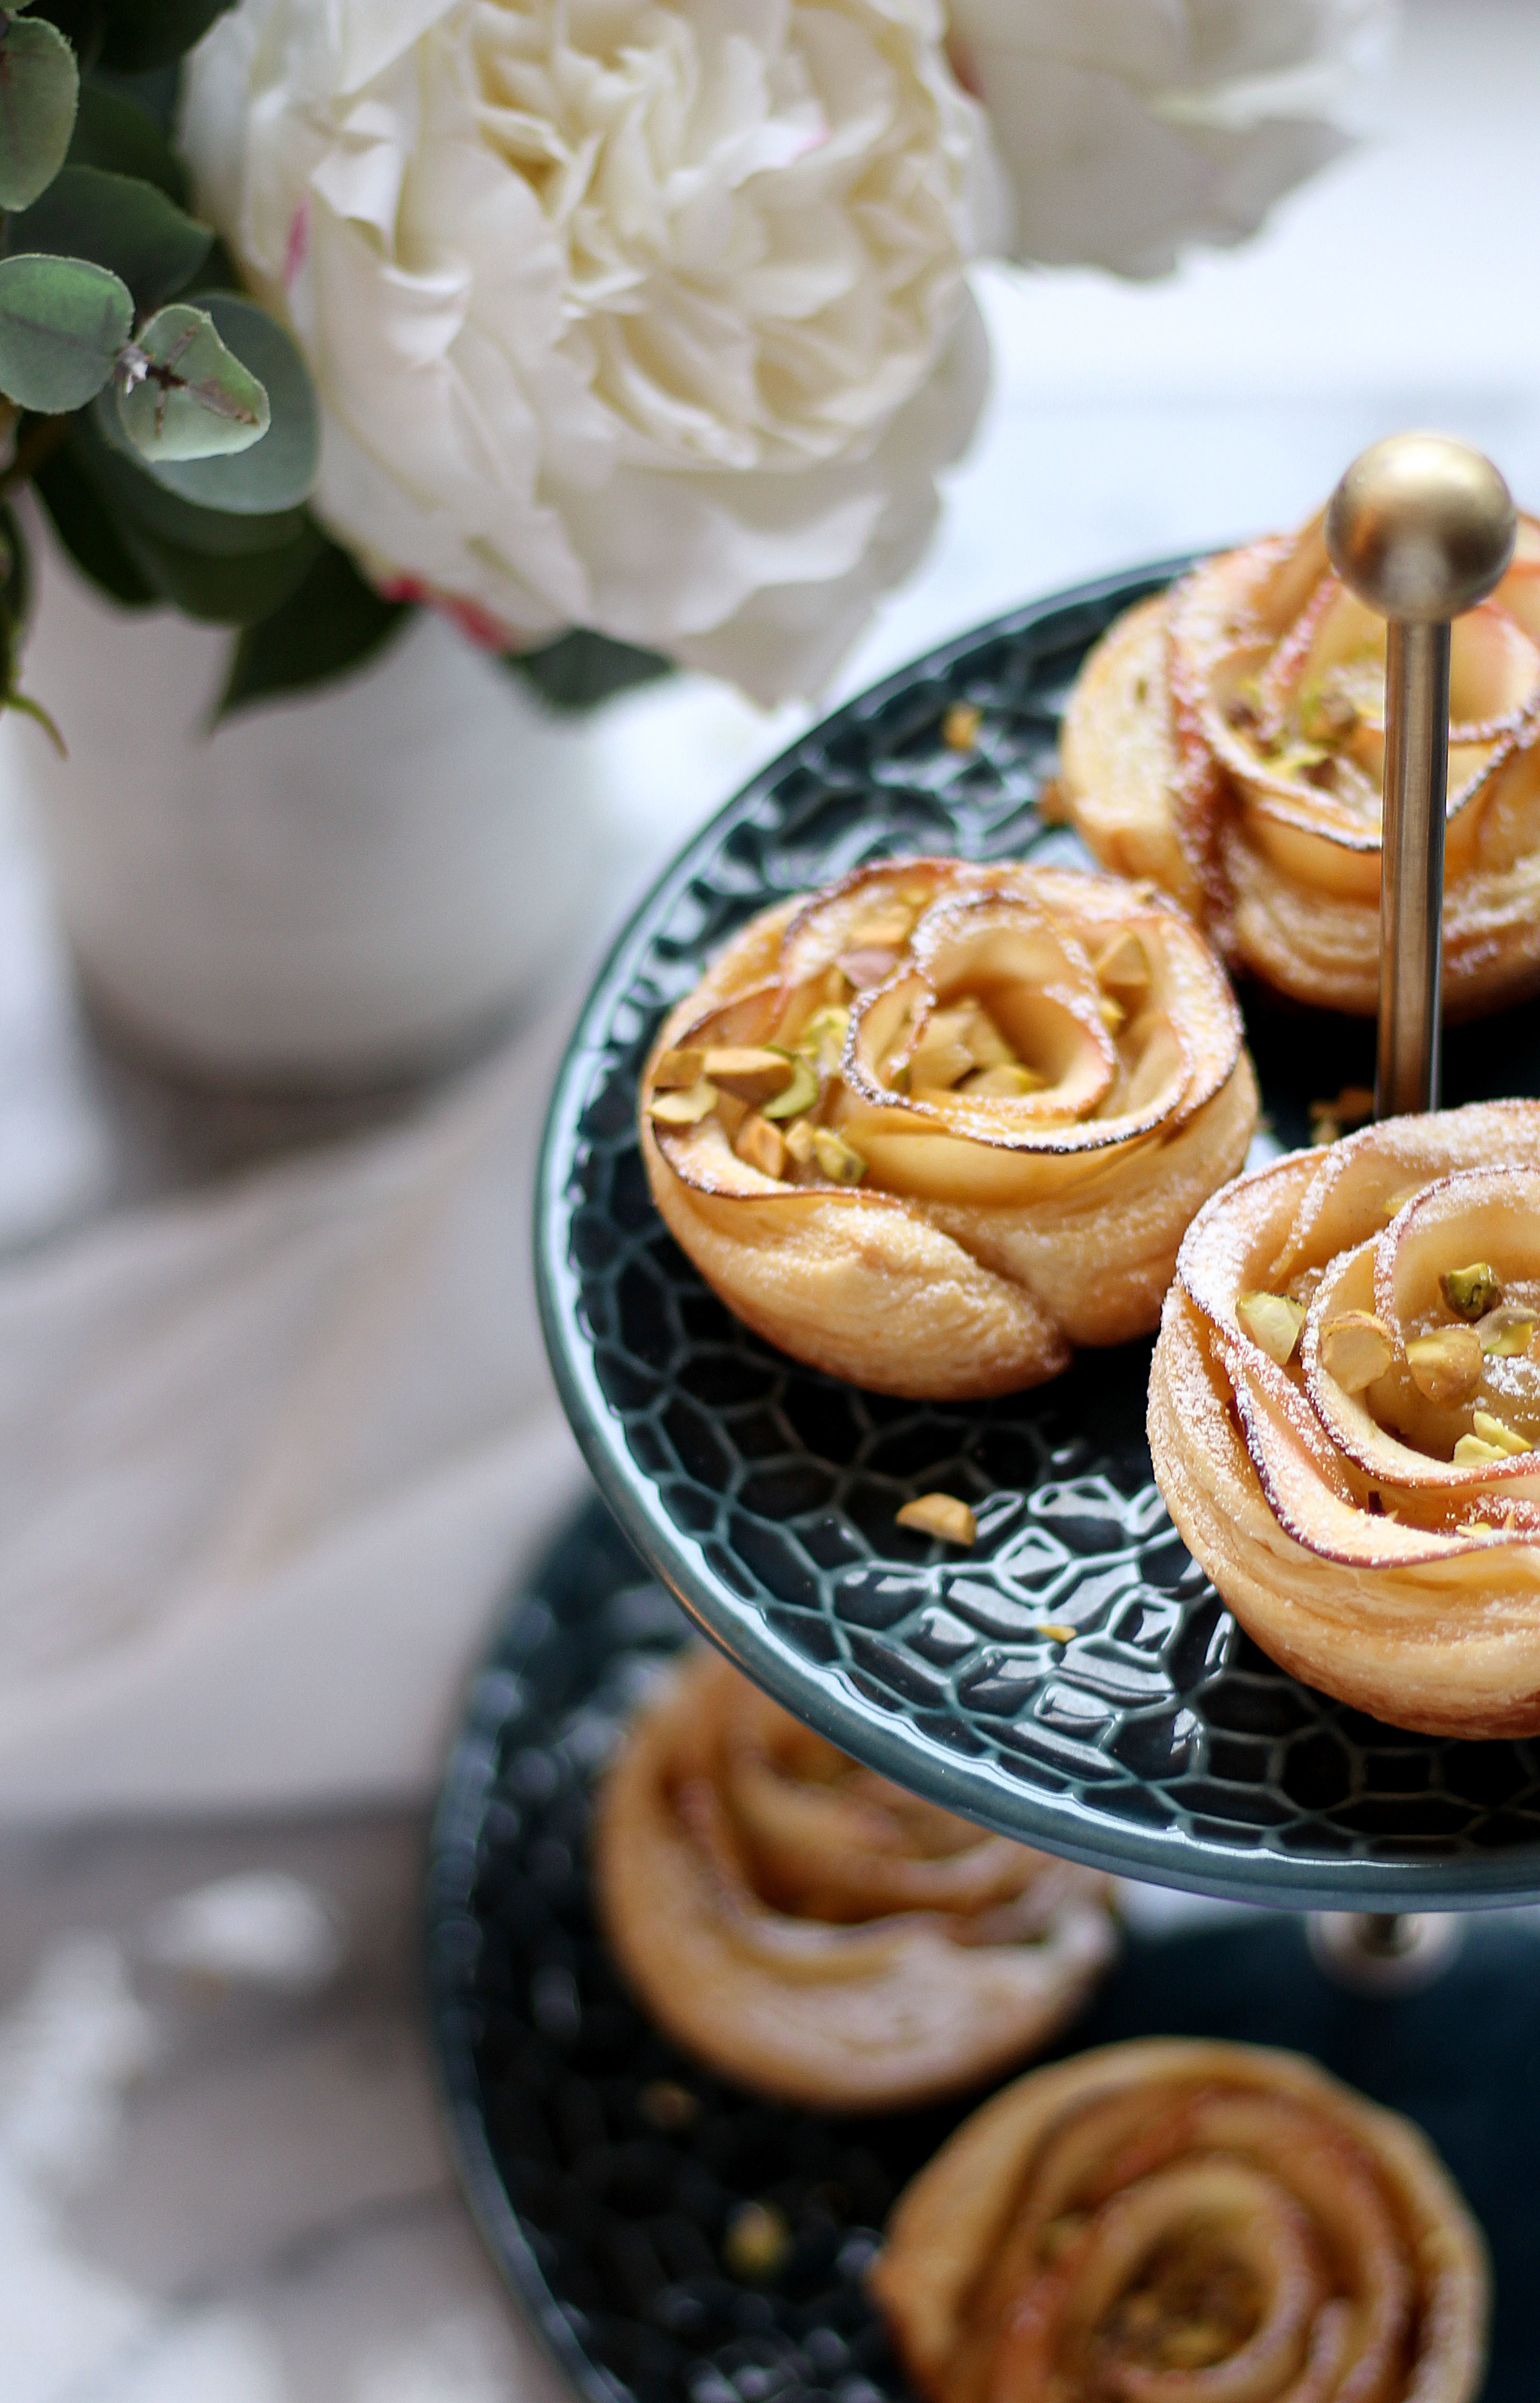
<point x="1429" y="1329"/>
<point x="939" y="1014"/>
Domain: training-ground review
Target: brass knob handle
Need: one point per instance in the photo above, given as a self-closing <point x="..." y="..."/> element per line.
<point x="1420" y="528"/>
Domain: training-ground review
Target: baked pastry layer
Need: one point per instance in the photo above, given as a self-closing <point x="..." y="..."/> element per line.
<point x="1227" y="740"/>
<point x="1178" y="2222"/>
<point x="988" y="1102"/>
<point x="816" y="1933"/>
<point x="1344" y="1413"/>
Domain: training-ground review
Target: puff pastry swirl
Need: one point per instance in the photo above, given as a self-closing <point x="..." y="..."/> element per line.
<point x="1228" y="740"/>
<point x="933" y="1128"/>
<point x="1177" y="2222"/>
<point x="1344" y="1415"/>
<point x="816" y="1933"/>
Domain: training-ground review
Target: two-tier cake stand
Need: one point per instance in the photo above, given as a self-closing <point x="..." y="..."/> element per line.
<point x="1073" y="1680"/>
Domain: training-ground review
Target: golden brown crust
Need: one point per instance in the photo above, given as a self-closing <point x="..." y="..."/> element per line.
<point x="1378" y="1542"/>
<point x="1226" y="737"/>
<point x="1185" y="2220"/>
<point x="988" y="1231"/>
<point x="814" y="1932"/>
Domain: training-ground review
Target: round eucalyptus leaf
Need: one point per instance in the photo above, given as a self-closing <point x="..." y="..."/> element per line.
<point x="135" y="497"/>
<point x="62" y="323"/>
<point x="188" y="397"/>
<point x="122" y="224"/>
<point x="39" y="88"/>
<point x="277" y="472"/>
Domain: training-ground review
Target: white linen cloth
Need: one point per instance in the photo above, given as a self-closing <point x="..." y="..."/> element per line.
<point x="269" y="1458"/>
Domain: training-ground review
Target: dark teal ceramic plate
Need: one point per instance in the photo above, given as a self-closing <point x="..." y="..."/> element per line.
<point x="1157" y="1740"/>
<point x="606" y="2168"/>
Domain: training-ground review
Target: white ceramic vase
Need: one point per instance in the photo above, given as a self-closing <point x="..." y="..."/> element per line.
<point x="322" y="892"/>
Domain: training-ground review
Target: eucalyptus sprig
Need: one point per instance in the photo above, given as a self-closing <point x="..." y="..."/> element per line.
<point x="165" y="421"/>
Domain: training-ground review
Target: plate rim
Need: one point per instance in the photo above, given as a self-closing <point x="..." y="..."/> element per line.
<point x="1061" y="1825"/>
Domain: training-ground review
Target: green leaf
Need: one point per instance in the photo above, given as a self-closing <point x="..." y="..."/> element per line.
<point x="39" y="86"/>
<point x="580" y="669"/>
<point x="85" y="525"/>
<point x="187" y="396"/>
<point x="119" y="222"/>
<point x="119" y="135"/>
<point x="62" y="323"/>
<point x="138" y="498"/>
<point x="138" y="35"/>
<point x="276" y="472"/>
<point x="229" y="591"/>
<point x="331" y="622"/>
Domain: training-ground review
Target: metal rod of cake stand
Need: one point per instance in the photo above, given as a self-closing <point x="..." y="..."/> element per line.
<point x="1411" y="870"/>
<point x="1419" y="528"/>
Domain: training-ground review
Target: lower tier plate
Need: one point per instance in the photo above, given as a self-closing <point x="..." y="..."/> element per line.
<point x="605" y="2168"/>
<point x="1157" y="1740"/>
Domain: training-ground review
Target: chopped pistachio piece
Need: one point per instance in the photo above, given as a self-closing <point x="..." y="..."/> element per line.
<point x="800" y="1135"/>
<point x="1490" y="1430"/>
<point x="940" y="1514"/>
<point x="1472" y="1291"/>
<point x="1272" y="1321"/>
<point x="1506" y="1331"/>
<point x="823" y="1039"/>
<point x="1011" y="1081"/>
<point x="760" y="1146"/>
<point x="754" y="1073"/>
<point x="960" y="726"/>
<point x="758" y="2241"/>
<point x="1124" y="968"/>
<point x="1325" y="714"/>
<point x="1445" y="1366"/>
<point x="1472" y="1453"/>
<point x="1356" y="1349"/>
<point x="684" y="1109"/>
<point x="677" y="1070"/>
<point x="1329" y="1119"/>
<point x="838" y="1159"/>
<point x="798" y="1095"/>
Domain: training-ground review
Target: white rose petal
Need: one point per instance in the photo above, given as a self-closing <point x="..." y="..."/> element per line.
<point x="1133" y="129"/>
<point x="647" y="315"/>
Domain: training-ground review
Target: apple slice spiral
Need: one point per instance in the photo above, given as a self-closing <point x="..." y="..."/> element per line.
<point x="1227" y="738"/>
<point x="1180" y="2222"/>
<point x="1344" y="1415"/>
<point x="816" y="1933"/>
<point x="936" y="1126"/>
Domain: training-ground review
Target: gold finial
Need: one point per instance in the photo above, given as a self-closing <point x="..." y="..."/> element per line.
<point x="1420" y="527"/>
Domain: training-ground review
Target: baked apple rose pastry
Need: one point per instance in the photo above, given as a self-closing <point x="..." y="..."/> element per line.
<point x="1201" y="2223"/>
<point x="933" y="1128"/>
<point x="816" y="1933"/>
<point x="1227" y="738"/>
<point x="1344" y="1415"/>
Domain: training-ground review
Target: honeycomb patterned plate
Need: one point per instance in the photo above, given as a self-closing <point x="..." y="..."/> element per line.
<point x="1155" y="1739"/>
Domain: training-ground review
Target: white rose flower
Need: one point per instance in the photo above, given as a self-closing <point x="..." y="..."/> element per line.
<point x="646" y="315"/>
<point x="1131" y="129"/>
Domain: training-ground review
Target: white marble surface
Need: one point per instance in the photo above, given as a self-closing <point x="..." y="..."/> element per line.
<point x="225" y="2185"/>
